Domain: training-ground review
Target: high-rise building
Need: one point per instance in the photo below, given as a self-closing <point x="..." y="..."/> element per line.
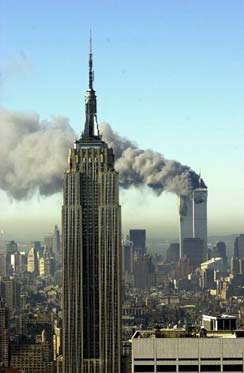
<point x="56" y="240"/>
<point x="32" y="264"/>
<point x="193" y="216"/>
<point x="144" y="272"/>
<point x="193" y="249"/>
<point x="127" y="256"/>
<point x="4" y="334"/>
<point x="173" y="252"/>
<point x="10" y="292"/>
<point x="91" y="229"/>
<point x="2" y="265"/>
<point x="138" y="237"/>
<point x="12" y="248"/>
<point x="239" y="246"/>
<point x="200" y="229"/>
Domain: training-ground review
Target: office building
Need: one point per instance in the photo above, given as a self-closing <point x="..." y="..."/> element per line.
<point x="193" y="216"/>
<point x="2" y="265"/>
<point x="223" y="322"/>
<point x="32" y="261"/>
<point x="179" y="350"/>
<point x="12" y="248"/>
<point x="239" y="246"/>
<point x="10" y="292"/>
<point x="138" y="237"/>
<point x="4" y="335"/>
<point x="144" y="273"/>
<point x="127" y="256"/>
<point x="193" y="249"/>
<point x="219" y="250"/>
<point x="56" y="240"/>
<point x="31" y="356"/>
<point x="91" y="235"/>
<point x="200" y="230"/>
<point x="173" y="252"/>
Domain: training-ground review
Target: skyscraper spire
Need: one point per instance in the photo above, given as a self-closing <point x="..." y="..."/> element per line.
<point x="91" y="126"/>
<point x="91" y="72"/>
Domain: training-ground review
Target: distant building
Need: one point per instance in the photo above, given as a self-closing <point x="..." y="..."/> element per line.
<point x="32" y="264"/>
<point x="208" y="278"/>
<point x="239" y="246"/>
<point x="200" y="230"/>
<point x="193" y="248"/>
<point x="216" y="264"/>
<point x="183" y="268"/>
<point x="10" y="292"/>
<point x="223" y="322"/>
<point x="235" y="266"/>
<point x="2" y="265"/>
<point x="4" y="335"/>
<point x="138" y="237"/>
<point x="56" y="244"/>
<point x="193" y="217"/>
<point x="12" y="248"/>
<point x="127" y="256"/>
<point x="144" y="275"/>
<point x="219" y="250"/>
<point x="48" y="242"/>
<point x="173" y="252"/>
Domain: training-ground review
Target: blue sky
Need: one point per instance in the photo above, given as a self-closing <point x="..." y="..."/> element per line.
<point x="168" y="75"/>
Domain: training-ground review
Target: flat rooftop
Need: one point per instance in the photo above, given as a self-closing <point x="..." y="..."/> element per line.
<point x="187" y="333"/>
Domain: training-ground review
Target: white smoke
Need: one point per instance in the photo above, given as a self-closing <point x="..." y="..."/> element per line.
<point x="33" y="153"/>
<point x="34" y="156"/>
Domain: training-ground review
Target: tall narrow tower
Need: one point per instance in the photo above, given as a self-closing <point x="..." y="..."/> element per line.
<point x="91" y="224"/>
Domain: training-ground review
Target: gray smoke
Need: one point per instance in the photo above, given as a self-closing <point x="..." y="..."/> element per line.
<point x="33" y="153"/>
<point x="34" y="156"/>
<point x="140" y="167"/>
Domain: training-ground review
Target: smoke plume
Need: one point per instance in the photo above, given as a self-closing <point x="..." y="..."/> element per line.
<point x="34" y="155"/>
<point x="140" y="167"/>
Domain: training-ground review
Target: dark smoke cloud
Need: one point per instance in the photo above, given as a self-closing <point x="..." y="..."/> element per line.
<point x="146" y="167"/>
<point x="34" y="155"/>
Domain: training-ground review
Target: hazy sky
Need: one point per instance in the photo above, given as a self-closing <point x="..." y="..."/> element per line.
<point x="168" y="75"/>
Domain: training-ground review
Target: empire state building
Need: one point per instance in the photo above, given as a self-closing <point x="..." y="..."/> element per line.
<point x="91" y="224"/>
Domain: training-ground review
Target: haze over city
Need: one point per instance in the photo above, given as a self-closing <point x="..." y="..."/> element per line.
<point x="168" y="78"/>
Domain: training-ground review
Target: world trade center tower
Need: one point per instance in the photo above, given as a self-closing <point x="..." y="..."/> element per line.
<point x="91" y="224"/>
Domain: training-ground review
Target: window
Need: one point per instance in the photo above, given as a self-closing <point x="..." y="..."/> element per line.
<point x="166" y="368"/>
<point x="144" y="368"/>
<point x="188" y="368"/>
<point x="232" y="368"/>
<point x="210" y="368"/>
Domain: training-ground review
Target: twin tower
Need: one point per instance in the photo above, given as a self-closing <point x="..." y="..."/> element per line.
<point x="91" y="224"/>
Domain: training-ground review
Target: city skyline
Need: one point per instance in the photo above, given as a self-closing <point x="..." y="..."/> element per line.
<point x="193" y="80"/>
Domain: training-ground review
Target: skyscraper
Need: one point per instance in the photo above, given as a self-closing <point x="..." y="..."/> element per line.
<point x="32" y="264"/>
<point x="138" y="237"/>
<point x="193" y="216"/>
<point x="56" y="240"/>
<point x="91" y="226"/>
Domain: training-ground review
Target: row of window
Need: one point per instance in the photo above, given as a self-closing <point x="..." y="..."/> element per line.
<point x="190" y="368"/>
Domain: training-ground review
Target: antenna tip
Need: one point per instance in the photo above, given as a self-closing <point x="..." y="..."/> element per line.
<point x="90" y="40"/>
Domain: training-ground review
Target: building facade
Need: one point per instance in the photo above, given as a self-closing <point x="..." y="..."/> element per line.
<point x="91" y="226"/>
<point x="193" y="217"/>
<point x="183" y="351"/>
<point x="138" y="237"/>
